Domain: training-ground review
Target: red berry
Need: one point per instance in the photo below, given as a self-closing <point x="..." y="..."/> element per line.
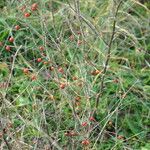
<point x="84" y="124"/>
<point x="61" y="70"/>
<point x="26" y="70"/>
<point x="78" y="98"/>
<point x="79" y="33"/>
<point x="27" y="15"/>
<point x="62" y="85"/>
<point x="115" y="80"/>
<point x="95" y="72"/>
<point x="34" y="7"/>
<point x="23" y="8"/>
<point x="41" y="48"/>
<point x="120" y="137"/>
<point x="86" y="142"/>
<point x="74" y="78"/>
<point x="92" y="119"/>
<point x="72" y="133"/>
<point x="51" y="68"/>
<point x="11" y="39"/>
<point x="7" y="48"/>
<point x="71" y="37"/>
<point x="17" y="27"/>
<point x="39" y="59"/>
<point x="45" y="62"/>
<point x="33" y="77"/>
<point x="79" y="42"/>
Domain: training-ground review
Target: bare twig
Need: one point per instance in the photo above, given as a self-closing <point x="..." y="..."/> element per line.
<point x="87" y="22"/>
<point x="12" y="67"/>
<point x="108" y="57"/>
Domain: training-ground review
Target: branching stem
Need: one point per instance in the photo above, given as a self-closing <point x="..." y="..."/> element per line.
<point x="108" y="58"/>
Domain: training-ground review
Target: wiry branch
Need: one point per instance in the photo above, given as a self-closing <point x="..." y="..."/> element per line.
<point x="108" y="57"/>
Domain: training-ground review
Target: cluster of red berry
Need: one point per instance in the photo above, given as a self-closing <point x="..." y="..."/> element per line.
<point x="34" y="7"/>
<point x="79" y="42"/>
<point x="11" y="39"/>
<point x="86" y="141"/>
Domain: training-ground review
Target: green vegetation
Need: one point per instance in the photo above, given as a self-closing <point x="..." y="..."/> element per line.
<point x="75" y="74"/>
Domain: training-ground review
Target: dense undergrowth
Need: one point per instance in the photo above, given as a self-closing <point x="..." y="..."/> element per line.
<point x="74" y="74"/>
